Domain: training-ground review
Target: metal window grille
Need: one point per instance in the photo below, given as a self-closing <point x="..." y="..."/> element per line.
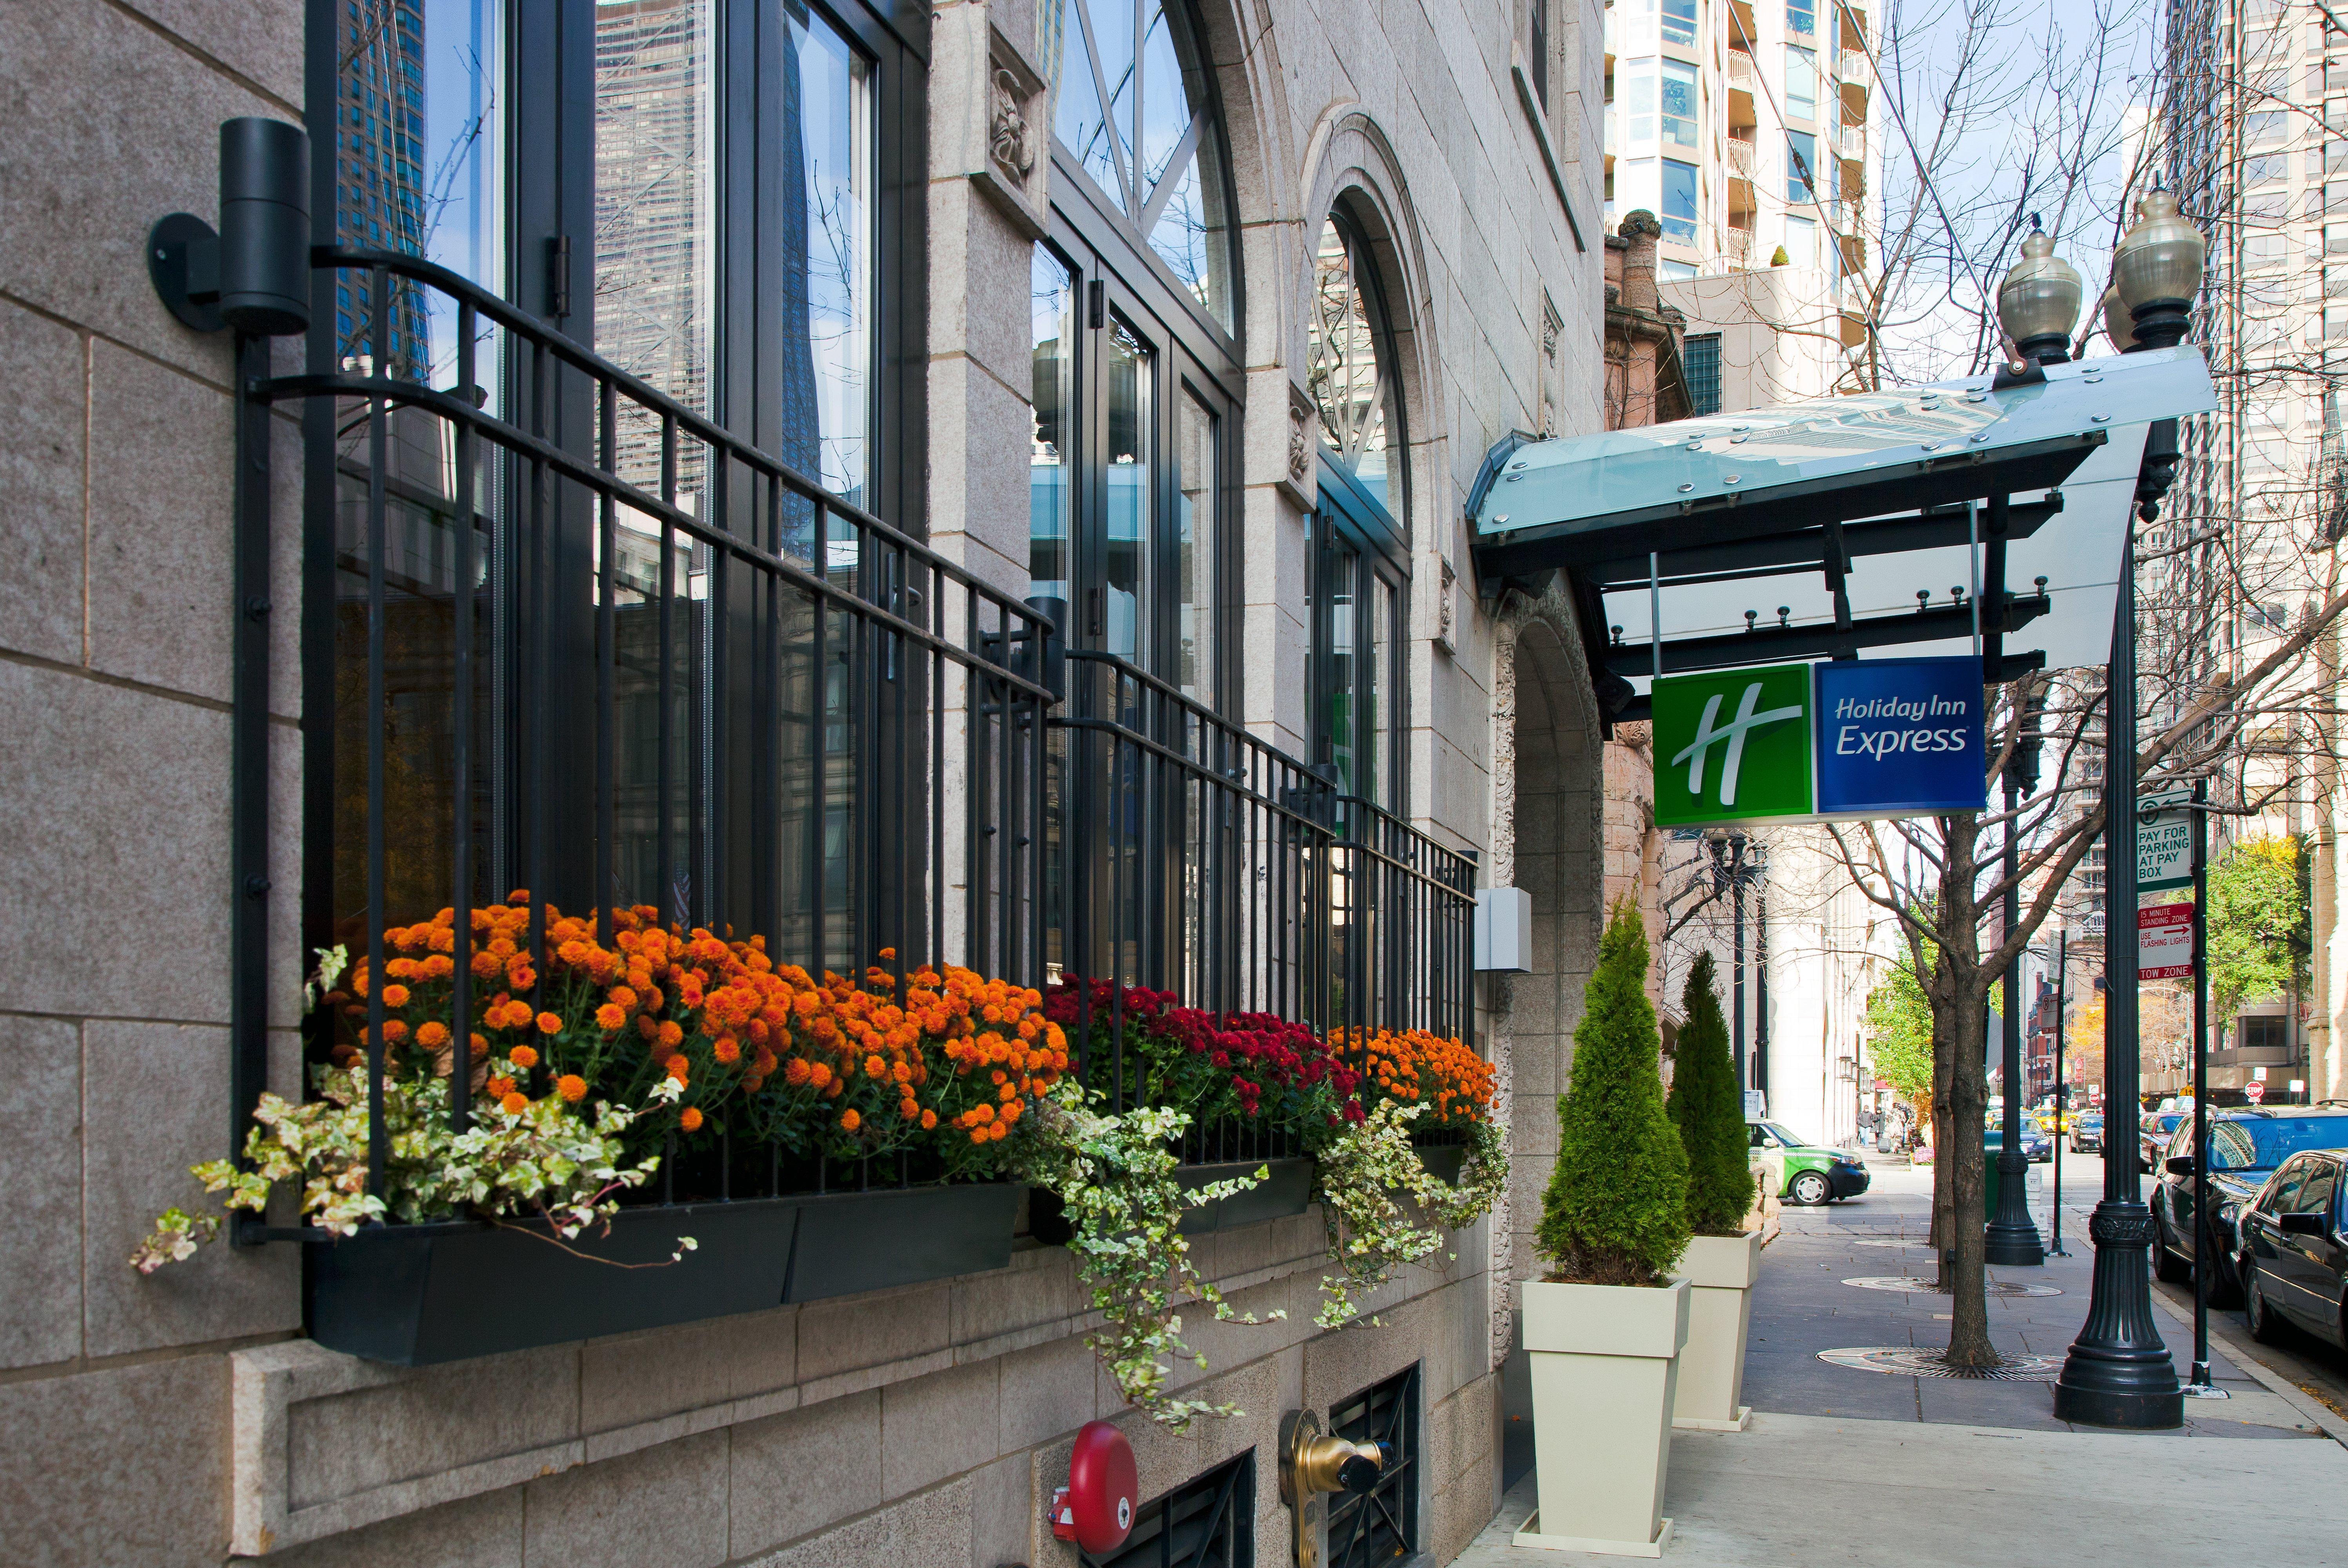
<point x="772" y="682"/>
<point x="1208" y="1522"/>
<point x="1700" y="363"/>
<point x="1380" y="1525"/>
<point x="1190" y="856"/>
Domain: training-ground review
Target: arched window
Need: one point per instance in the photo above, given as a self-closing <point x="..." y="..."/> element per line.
<point x="1360" y="548"/>
<point x="1157" y="149"/>
<point x="1349" y="359"/>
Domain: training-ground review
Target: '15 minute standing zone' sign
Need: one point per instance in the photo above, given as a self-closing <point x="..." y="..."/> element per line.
<point x="1835" y="741"/>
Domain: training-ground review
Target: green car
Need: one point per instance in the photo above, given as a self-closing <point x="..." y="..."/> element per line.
<point x="1803" y="1172"/>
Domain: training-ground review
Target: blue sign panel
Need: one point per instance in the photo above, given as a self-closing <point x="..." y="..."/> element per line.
<point x="1899" y="737"/>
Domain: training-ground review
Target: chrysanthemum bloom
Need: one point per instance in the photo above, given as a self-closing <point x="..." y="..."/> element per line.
<point x="850" y="1120"/>
<point x="514" y="1104"/>
<point x="726" y="1050"/>
<point x="678" y="1066"/>
<point x="480" y="1046"/>
<point x="690" y="1119"/>
<point x="395" y="995"/>
<point x="393" y="1032"/>
<point x="523" y="1056"/>
<point x="433" y="1035"/>
<point x="929" y="1120"/>
<point x="500" y="1086"/>
<point x="672" y="1033"/>
<point x="550" y="1023"/>
<point x="572" y="1087"/>
<point x="609" y="1018"/>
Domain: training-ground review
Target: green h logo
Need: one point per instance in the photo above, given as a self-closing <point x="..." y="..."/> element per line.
<point x="1732" y="745"/>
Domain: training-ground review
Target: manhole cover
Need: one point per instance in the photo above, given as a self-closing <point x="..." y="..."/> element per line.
<point x="1910" y="1282"/>
<point x="1927" y="1361"/>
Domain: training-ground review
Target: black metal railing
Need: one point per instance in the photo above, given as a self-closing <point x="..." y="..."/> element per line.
<point x="1191" y="857"/>
<point x="565" y="633"/>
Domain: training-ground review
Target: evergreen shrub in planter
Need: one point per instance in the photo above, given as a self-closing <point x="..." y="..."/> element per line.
<point x="1722" y="1259"/>
<point x="1603" y="1329"/>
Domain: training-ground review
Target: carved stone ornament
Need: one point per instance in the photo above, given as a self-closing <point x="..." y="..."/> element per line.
<point x="1304" y="431"/>
<point x="2128" y="1225"/>
<point x="1445" y="579"/>
<point x="1011" y="143"/>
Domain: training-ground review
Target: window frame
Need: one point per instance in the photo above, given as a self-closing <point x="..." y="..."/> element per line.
<point x="1348" y="520"/>
<point x="1399" y="1475"/>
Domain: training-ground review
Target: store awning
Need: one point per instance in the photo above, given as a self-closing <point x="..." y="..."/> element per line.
<point x="1827" y="519"/>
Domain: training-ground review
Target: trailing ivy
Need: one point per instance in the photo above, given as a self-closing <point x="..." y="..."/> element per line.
<point x="1364" y="1172"/>
<point x="1117" y="1177"/>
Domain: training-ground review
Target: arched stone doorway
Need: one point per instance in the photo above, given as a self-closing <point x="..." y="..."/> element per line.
<point x="1549" y="840"/>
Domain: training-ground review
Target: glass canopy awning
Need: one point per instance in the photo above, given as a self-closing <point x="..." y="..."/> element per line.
<point x="1926" y="520"/>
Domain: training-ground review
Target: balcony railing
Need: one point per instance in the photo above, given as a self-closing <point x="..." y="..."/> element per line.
<point x="1744" y="159"/>
<point x="1849" y="141"/>
<point x="1737" y="244"/>
<point x="575" y="638"/>
<point x="1194" y="857"/>
<point x="1854" y="65"/>
<point x="1740" y="70"/>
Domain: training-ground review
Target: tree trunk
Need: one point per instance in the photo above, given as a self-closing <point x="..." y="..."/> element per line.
<point x="1969" y="1343"/>
<point x="1944" y="1191"/>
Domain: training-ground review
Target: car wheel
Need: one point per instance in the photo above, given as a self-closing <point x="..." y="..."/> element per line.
<point x="1809" y="1189"/>
<point x="2170" y="1267"/>
<point x="2265" y="1326"/>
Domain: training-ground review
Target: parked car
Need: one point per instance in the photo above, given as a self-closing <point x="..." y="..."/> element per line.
<point x="1805" y="1172"/>
<point x="2152" y="1132"/>
<point x="2246" y="1146"/>
<point x="2036" y="1147"/>
<point x="2294" y="1256"/>
<point x="2087" y="1132"/>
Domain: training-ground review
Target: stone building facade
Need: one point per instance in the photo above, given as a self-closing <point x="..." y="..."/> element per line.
<point x="1385" y="259"/>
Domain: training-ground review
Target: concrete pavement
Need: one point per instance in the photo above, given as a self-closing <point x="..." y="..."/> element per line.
<point x="1849" y="1466"/>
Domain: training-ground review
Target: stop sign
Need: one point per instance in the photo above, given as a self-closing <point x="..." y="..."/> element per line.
<point x="2254" y="1091"/>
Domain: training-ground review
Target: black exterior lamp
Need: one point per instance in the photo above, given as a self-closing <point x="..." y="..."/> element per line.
<point x="253" y="273"/>
<point x="2038" y="302"/>
<point x="2156" y="271"/>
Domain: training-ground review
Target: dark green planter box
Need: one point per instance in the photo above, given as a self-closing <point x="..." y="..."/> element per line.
<point x="1444" y="1162"/>
<point x="849" y="1242"/>
<point x="416" y="1295"/>
<point x="1287" y="1190"/>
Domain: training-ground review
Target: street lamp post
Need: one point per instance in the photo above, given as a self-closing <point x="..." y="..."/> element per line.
<point x="2063" y="1111"/>
<point x="2012" y="1238"/>
<point x="2118" y="1372"/>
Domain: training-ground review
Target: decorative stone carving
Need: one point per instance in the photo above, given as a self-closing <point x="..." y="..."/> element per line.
<point x="1011" y="143"/>
<point x="1297" y="482"/>
<point x="1007" y="163"/>
<point x="1444" y="598"/>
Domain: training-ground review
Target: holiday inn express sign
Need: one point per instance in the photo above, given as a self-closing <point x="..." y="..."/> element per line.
<point x="1835" y="741"/>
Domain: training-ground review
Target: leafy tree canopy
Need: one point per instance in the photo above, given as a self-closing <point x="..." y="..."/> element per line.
<point x="2258" y="921"/>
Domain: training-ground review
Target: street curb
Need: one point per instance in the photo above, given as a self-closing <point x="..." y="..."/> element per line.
<point x="2321" y="1416"/>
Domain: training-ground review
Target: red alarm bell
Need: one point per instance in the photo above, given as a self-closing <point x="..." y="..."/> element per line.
<point x="1096" y="1509"/>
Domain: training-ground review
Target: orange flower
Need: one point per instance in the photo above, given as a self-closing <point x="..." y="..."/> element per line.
<point x="500" y="1087"/>
<point x="393" y="1032"/>
<point x="929" y="1120"/>
<point x="678" y="1067"/>
<point x="609" y="1018"/>
<point x="433" y="1035"/>
<point x="690" y="1119"/>
<point x="726" y="1049"/>
<point x="487" y="966"/>
<point x="671" y="1033"/>
<point x="395" y="995"/>
<point x="572" y="1087"/>
<point x="480" y="1046"/>
<point x="514" y="1104"/>
<point x="550" y="1023"/>
<point x="797" y="1072"/>
<point x="850" y="1120"/>
<point x="523" y="1056"/>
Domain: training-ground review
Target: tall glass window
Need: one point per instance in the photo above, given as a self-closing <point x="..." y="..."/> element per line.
<point x="1678" y="22"/>
<point x="1680" y="209"/>
<point x="1679" y="104"/>
<point x="1801" y="84"/>
<point x="1801" y="243"/>
<point x="1135" y="102"/>
<point x="1051" y="452"/>
<point x="1639" y="101"/>
<point x="1802" y="17"/>
<point x="1801" y="165"/>
<point x="1347" y="360"/>
<point x="1132" y="372"/>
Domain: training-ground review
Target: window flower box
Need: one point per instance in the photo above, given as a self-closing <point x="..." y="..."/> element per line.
<point x="418" y="1295"/>
<point x="1286" y="1190"/>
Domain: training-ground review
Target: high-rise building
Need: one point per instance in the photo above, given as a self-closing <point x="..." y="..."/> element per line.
<point x="1749" y="130"/>
<point x="378" y="151"/>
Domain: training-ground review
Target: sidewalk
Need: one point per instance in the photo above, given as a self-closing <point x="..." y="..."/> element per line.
<point x="1845" y="1465"/>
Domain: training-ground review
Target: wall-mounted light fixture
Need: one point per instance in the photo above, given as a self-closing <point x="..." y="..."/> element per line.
<point x="253" y="273"/>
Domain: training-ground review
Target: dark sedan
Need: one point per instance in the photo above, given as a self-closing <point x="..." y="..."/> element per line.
<point x="2085" y="1132"/>
<point x="2246" y="1145"/>
<point x="2152" y="1135"/>
<point x="2294" y="1258"/>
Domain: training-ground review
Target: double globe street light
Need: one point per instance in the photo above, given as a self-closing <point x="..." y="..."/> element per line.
<point x="2118" y="1372"/>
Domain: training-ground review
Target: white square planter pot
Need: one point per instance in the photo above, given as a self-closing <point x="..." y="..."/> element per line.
<point x="1720" y="1271"/>
<point x="1604" y="1359"/>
